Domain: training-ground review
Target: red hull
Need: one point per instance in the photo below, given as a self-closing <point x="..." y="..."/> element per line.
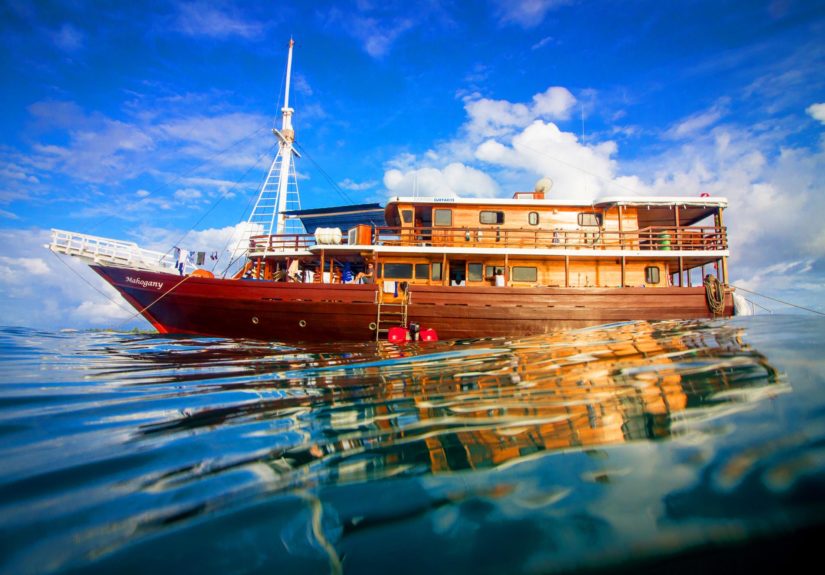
<point x="336" y="312"/>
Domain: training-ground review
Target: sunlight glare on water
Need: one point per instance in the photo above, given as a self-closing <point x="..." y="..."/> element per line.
<point x="614" y="447"/>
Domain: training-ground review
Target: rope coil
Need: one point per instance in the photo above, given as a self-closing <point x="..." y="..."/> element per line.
<point x="715" y="295"/>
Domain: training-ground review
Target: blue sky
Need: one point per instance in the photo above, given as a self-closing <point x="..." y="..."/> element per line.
<point x="141" y="120"/>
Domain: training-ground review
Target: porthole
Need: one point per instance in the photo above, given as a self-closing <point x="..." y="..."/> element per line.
<point x="255" y="320"/>
<point x="302" y="323"/>
<point x="372" y="326"/>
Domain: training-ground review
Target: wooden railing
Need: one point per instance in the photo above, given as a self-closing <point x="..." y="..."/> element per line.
<point x="663" y="238"/>
<point x="651" y="238"/>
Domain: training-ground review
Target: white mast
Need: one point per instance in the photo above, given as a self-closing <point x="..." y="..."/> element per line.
<point x="279" y="192"/>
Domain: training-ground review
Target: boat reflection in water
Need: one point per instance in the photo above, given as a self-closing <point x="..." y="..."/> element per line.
<point x="478" y="404"/>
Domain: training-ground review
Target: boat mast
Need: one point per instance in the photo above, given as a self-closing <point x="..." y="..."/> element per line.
<point x="279" y="192"/>
<point x="287" y="137"/>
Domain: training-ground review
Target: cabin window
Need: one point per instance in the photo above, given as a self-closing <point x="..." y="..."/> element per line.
<point x="442" y="217"/>
<point x="422" y="271"/>
<point x="398" y="271"/>
<point x="652" y="274"/>
<point x="407" y="216"/>
<point x="474" y="272"/>
<point x="490" y="271"/>
<point x="524" y="274"/>
<point x="590" y="219"/>
<point x="533" y="218"/>
<point x="488" y="217"/>
<point x="437" y="271"/>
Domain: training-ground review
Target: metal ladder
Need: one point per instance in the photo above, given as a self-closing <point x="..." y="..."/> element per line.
<point x="390" y="314"/>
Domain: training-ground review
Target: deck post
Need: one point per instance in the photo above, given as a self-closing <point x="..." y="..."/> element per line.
<point x="724" y="259"/>
<point x="507" y="269"/>
<point x="322" y="266"/>
<point x="444" y="270"/>
<point x="621" y="239"/>
<point x="623" y="271"/>
<point x="566" y="270"/>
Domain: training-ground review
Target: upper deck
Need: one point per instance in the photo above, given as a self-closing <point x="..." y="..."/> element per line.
<point x="527" y="225"/>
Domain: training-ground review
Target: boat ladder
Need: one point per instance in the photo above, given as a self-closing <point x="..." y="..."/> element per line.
<point x="390" y="314"/>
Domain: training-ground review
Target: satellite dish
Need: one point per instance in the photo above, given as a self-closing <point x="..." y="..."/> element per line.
<point x="543" y="185"/>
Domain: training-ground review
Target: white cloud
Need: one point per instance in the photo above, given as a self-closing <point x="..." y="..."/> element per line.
<point x="204" y="19"/>
<point x="68" y="38"/>
<point x="544" y="149"/>
<point x="491" y="118"/>
<point x="697" y="123"/>
<point x="817" y="112"/>
<point x="348" y="184"/>
<point x="526" y="13"/>
<point x="48" y="291"/>
<point x="187" y="194"/>
<point x="454" y="180"/>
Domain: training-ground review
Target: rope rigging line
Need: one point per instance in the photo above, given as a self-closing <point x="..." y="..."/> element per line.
<point x="221" y="198"/>
<point x="326" y="176"/>
<point x="90" y="284"/>
<point x="185" y="174"/>
<point x="779" y="300"/>
<point x="160" y="297"/>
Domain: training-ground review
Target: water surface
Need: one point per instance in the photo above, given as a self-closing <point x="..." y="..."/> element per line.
<point x="637" y="446"/>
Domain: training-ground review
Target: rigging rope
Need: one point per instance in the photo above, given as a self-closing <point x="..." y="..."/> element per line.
<point x="181" y="176"/>
<point x="90" y="284"/>
<point x="163" y="295"/>
<point x="778" y="300"/>
<point x="326" y="176"/>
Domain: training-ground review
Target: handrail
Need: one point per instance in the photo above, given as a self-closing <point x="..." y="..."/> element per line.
<point x="663" y="238"/>
<point x="117" y="252"/>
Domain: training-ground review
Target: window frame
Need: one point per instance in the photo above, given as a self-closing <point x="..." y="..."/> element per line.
<point x="649" y="275"/>
<point x="499" y="217"/>
<point x="417" y="267"/>
<point x="479" y="267"/>
<point x="530" y="218"/>
<point x="596" y="215"/>
<point x="390" y="270"/>
<point x="435" y="272"/>
<point x="514" y="274"/>
<point x="440" y="211"/>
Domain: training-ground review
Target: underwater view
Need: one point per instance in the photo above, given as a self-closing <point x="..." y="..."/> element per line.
<point x="681" y="446"/>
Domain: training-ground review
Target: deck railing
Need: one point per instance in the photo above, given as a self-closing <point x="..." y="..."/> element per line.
<point x="650" y="238"/>
<point x="662" y="238"/>
<point x="97" y="249"/>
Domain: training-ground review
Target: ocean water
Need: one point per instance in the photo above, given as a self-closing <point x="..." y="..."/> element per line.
<point x="635" y="447"/>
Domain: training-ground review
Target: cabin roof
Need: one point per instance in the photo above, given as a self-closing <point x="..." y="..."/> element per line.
<point x="343" y="217"/>
<point x="715" y="202"/>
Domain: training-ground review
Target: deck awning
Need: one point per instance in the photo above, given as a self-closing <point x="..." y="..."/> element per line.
<point x="660" y="212"/>
<point x="343" y="217"/>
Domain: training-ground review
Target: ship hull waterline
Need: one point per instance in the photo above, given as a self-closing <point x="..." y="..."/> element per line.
<point x="295" y="312"/>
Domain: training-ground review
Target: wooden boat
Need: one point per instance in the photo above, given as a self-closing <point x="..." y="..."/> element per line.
<point x="461" y="267"/>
